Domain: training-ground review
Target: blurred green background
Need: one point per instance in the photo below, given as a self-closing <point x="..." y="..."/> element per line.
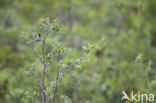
<point x="123" y="56"/>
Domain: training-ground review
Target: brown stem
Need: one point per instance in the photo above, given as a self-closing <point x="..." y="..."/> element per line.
<point x="42" y="84"/>
<point x="56" y="86"/>
<point x="48" y="75"/>
<point x="44" y="69"/>
<point x="44" y="40"/>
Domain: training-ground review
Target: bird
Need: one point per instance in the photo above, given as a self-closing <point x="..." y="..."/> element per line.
<point x="38" y="37"/>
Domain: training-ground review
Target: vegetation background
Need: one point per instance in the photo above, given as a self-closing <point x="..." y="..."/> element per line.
<point x="122" y="58"/>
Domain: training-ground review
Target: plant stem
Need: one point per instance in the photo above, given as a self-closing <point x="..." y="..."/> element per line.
<point x="44" y="69"/>
<point x="42" y="83"/>
<point x="56" y="86"/>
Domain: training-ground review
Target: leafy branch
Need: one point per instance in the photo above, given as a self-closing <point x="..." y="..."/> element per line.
<point x="53" y="54"/>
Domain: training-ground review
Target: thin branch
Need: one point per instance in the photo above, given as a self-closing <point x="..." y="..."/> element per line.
<point x="36" y="54"/>
<point x="43" y="93"/>
<point x="56" y="86"/>
<point x="52" y="60"/>
<point x="48" y="75"/>
<point x="43" y="46"/>
<point x="42" y="84"/>
<point x="45" y="70"/>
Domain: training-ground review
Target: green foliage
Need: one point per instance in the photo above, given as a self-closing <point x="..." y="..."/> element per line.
<point x="101" y="47"/>
<point x="49" y="51"/>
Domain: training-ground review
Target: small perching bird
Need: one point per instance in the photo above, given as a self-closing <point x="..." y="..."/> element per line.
<point x="38" y="38"/>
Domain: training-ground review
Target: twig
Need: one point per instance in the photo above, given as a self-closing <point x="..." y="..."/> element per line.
<point x="48" y="75"/>
<point x="44" y="69"/>
<point x="42" y="84"/>
<point x="43" y="46"/>
<point x="52" y="60"/>
<point x="36" y="54"/>
<point x="56" y="86"/>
